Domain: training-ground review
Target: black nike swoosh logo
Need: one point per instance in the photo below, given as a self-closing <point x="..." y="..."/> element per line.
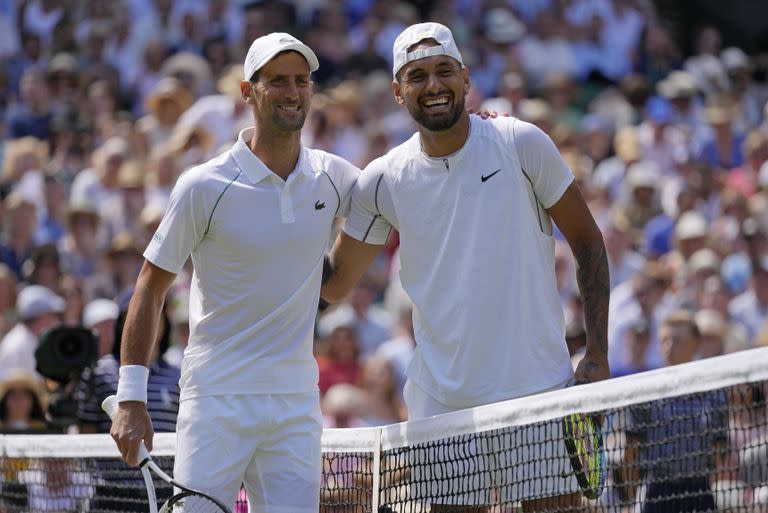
<point x="319" y="205"/>
<point x="484" y="178"/>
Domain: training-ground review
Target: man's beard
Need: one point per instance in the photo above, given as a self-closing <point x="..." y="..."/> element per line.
<point x="288" y="124"/>
<point x="438" y="123"/>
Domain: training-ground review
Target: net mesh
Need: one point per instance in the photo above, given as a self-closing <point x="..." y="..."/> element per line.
<point x="689" y="438"/>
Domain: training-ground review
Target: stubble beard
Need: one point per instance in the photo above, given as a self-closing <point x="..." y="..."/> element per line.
<point x="289" y="125"/>
<point x="441" y="122"/>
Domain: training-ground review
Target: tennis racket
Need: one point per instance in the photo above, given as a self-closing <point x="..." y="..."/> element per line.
<point x="186" y="499"/>
<point x="583" y="436"/>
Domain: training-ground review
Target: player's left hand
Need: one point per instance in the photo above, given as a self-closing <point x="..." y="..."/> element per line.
<point x="592" y="368"/>
<point x="485" y="113"/>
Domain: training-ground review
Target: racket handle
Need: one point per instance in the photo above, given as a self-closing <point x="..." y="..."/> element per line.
<point x="109" y="405"/>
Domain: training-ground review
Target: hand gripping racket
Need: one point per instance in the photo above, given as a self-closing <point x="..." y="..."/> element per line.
<point x="583" y="434"/>
<point x="186" y="500"/>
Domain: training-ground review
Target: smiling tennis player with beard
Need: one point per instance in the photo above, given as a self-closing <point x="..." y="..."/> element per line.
<point x="474" y="202"/>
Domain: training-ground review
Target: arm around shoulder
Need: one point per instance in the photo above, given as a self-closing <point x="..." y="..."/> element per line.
<point x="348" y="261"/>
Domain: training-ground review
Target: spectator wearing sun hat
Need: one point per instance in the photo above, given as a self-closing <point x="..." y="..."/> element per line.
<point x="39" y="309"/>
<point x="164" y="105"/>
<point x="22" y="403"/>
<point x="641" y="202"/>
<point x="79" y="248"/>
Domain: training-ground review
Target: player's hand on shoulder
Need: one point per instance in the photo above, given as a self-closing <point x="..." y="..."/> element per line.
<point x="130" y="425"/>
<point x="485" y="113"/>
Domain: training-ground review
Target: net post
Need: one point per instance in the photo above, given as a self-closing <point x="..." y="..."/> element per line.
<point x="376" y="485"/>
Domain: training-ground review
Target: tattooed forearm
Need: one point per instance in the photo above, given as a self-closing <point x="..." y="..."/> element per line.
<point x="595" y="287"/>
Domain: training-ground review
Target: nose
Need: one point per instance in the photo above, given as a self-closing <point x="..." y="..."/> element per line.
<point x="292" y="91"/>
<point x="433" y="83"/>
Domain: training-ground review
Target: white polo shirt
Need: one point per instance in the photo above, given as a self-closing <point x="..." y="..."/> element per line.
<point x="477" y="257"/>
<point x="257" y="245"/>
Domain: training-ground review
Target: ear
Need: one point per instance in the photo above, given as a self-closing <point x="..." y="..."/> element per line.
<point x="465" y="77"/>
<point x="397" y="91"/>
<point x="245" y="90"/>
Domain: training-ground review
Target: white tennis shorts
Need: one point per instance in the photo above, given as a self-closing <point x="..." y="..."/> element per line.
<point x="495" y="467"/>
<point x="269" y="442"/>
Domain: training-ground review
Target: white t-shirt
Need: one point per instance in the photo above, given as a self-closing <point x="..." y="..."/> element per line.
<point x="257" y="246"/>
<point x="477" y="257"/>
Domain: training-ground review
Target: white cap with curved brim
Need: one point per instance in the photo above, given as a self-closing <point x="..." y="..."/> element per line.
<point x="417" y="33"/>
<point x="266" y="47"/>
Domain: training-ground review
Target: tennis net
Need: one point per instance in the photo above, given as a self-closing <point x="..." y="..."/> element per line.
<point x="689" y="438"/>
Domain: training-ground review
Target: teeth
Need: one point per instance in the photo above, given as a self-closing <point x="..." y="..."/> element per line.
<point x="436" y="101"/>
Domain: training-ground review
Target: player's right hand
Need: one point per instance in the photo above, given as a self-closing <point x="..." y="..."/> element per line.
<point x="130" y="425"/>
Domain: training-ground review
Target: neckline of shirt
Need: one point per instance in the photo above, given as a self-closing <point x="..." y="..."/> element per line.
<point x="453" y="157"/>
<point x="253" y="167"/>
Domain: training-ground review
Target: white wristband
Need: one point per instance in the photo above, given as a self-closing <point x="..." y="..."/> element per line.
<point x="132" y="385"/>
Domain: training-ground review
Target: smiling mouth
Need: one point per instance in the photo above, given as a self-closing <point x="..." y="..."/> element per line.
<point x="440" y="101"/>
<point x="290" y="108"/>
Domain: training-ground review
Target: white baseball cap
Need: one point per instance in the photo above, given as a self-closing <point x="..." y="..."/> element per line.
<point x="99" y="310"/>
<point x="263" y="49"/>
<point x="36" y="300"/>
<point x="417" y="33"/>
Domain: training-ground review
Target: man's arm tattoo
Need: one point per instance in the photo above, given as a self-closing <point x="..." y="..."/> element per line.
<point x="594" y="282"/>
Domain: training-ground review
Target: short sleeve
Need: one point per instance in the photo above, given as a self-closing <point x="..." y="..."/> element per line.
<point x="541" y="162"/>
<point x="343" y="176"/>
<point x="371" y="214"/>
<point x="182" y="227"/>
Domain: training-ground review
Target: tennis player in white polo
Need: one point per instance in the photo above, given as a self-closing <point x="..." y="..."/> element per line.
<point x="256" y="221"/>
<point x="473" y="201"/>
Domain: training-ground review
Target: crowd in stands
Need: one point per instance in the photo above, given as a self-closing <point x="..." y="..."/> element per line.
<point x="104" y="104"/>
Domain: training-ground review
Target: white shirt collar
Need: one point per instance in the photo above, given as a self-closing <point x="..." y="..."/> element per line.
<point x="252" y="166"/>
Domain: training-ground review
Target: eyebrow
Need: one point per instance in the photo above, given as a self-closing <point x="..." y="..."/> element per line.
<point x="442" y="64"/>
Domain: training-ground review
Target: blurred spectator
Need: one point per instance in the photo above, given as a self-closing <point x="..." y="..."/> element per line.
<point x="384" y="403"/>
<point x="22" y="403"/>
<point x="338" y="358"/>
<point x="166" y="103"/>
<point x="123" y="214"/>
<point x="643" y="297"/>
<point x="221" y="115"/>
<point x="623" y="260"/>
<point x="343" y="406"/>
<point x="638" y="341"/>
<point x="609" y="174"/>
<point x="97" y="185"/>
<point x="98" y="381"/>
<point x="8" y="287"/>
<point x="723" y="148"/>
<point x="17" y="241"/>
<point x="39" y="309"/>
<point x="641" y="202"/>
<point x="676" y="444"/>
<point x="79" y="248"/>
<point x="51" y="224"/>
<point x="32" y="115"/>
<point x="715" y="297"/>
<point x="711" y="326"/>
<point x="399" y="350"/>
<point x="750" y="308"/>
<point x="371" y="324"/>
<point x="43" y="267"/>
<point x="162" y="172"/>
